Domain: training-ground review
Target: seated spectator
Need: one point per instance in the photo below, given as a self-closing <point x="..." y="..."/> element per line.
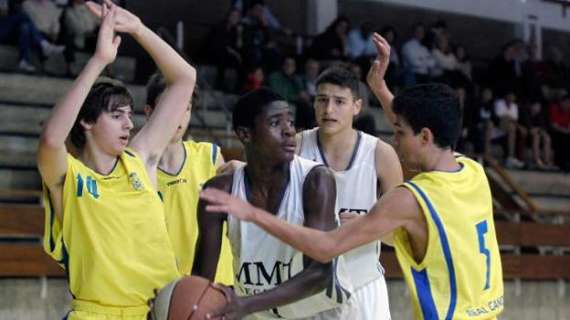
<point x="19" y="28"/>
<point x="463" y="62"/>
<point x="259" y="48"/>
<point x="79" y="30"/>
<point x="417" y="58"/>
<point x="331" y="44"/>
<point x="560" y="132"/>
<point x="45" y="15"/>
<point x="535" y="122"/>
<point x="507" y="111"/>
<point x="360" y="47"/>
<point x="225" y="45"/>
<point x="445" y="61"/>
<point x="254" y="79"/>
<point x="309" y="78"/>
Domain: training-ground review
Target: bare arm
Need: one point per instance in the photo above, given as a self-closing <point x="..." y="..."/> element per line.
<point x="388" y="167"/>
<point x="375" y="77"/>
<point x="52" y="153"/>
<point x="396" y="209"/>
<point x="180" y="77"/>
<point x="319" y="194"/>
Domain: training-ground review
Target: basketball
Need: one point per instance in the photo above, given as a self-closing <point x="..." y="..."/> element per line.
<point x="190" y="297"/>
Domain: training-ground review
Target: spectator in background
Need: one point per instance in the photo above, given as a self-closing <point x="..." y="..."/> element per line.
<point x="463" y="62"/>
<point x="445" y="61"/>
<point x="309" y="78"/>
<point x="535" y="122"/>
<point x="558" y="71"/>
<point x="360" y="48"/>
<point x="79" y="30"/>
<point x="258" y="45"/>
<point x="417" y="59"/>
<point x="18" y="27"/>
<point x="45" y="15"/>
<point x="505" y="72"/>
<point x="560" y="132"/>
<point x="254" y="79"/>
<point x="534" y="75"/>
<point x="507" y="111"/>
<point x="364" y="120"/>
<point x="270" y="19"/>
<point x="393" y="78"/>
<point x="225" y="46"/>
<point x="331" y="44"/>
<point x="487" y="123"/>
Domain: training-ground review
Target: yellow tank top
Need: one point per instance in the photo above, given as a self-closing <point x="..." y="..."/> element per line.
<point x="113" y="241"/>
<point x="460" y="276"/>
<point x="180" y="193"/>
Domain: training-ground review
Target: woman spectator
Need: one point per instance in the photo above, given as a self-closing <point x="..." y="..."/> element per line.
<point x="536" y="123"/>
<point x="331" y="44"/>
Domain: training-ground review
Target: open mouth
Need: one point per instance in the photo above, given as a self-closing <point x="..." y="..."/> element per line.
<point x="124" y="139"/>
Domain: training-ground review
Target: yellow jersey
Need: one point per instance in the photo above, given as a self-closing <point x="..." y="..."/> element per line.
<point x="460" y="276"/>
<point x="180" y="193"/>
<point x="113" y="241"/>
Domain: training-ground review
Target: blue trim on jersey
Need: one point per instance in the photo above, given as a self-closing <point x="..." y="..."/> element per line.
<point x="446" y="251"/>
<point x="425" y="297"/>
<point x="214" y="153"/>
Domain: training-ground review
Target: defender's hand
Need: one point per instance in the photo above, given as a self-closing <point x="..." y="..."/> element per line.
<point x="125" y="21"/>
<point x="222" y="202"/>
<point x="375" y="77"/>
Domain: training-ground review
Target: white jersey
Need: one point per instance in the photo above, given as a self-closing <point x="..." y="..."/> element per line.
<point x="262" y="262"/>
<point x="357" y="191"/>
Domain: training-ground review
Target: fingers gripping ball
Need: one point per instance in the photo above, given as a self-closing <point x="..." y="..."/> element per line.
<point x="189" y="297"/>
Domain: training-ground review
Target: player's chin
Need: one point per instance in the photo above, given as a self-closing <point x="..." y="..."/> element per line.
<point x="288" y="155"/>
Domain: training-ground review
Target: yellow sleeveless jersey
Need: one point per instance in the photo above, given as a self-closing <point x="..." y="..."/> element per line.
<point x="180" y="193"/>
<point x="460" y="276"/>
<point x="113" y="241"/>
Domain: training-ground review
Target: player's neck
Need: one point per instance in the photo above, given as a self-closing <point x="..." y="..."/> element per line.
<point x="173" y="157"/>
<point x="266" y="175"/>
<point x="441" y="160"/>
<point x="338" y="147"/>
<point x="99" y="161"/>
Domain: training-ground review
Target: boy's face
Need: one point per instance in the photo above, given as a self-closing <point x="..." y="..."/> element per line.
<point x="111" y="131"/>
<point x="183" y="126"/>
<point x="273" y="135"/>
<point x="335" y="108"/>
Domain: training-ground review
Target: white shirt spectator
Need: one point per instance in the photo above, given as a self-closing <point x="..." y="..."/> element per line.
<point x="417" y="57"/>
<point x="504" y="110"/>
<point x="45" y="16"/>
<point x="443" y="62"/>
<point x="358" y="46"/>
<point x="81" y="22"/>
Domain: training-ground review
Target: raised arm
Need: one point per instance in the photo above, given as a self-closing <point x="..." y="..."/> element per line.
<point x="396" y="209"/>
<point x="375" y="77"/>
<point x="180" y="77"/>
<point x="52" y="153"/>
<point x="319" y="194"/>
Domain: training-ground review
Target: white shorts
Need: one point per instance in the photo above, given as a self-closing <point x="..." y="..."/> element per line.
<point x="347" y="311"/>
<point x="372" y="300"/>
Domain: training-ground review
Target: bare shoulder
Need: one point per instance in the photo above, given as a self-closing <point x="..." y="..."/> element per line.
<point x="388" y="167"/>
<point x="222" y="182"/>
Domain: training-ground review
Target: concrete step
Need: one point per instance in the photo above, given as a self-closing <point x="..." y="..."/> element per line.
<point x="18" y="152"/>
<point x="123" y="68"/>
<point x="35" y="89"/>
<point x="551" y="183"/>
<point x="546" y="202"/>
<point x="24" y="179"/>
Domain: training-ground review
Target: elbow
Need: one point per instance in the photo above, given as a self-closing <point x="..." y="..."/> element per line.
<point x="48" y="141"/>
<point x="189" y="75"/>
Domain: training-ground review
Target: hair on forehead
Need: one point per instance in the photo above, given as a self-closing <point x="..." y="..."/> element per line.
<point x="251" y="105"/>
<point x="342" y="77"/>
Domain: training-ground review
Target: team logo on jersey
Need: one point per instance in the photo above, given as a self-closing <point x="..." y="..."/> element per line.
<point x="135" y="181"/>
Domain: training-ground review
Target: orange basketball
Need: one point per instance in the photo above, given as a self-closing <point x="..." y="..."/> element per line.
<point x="190" y="297"/>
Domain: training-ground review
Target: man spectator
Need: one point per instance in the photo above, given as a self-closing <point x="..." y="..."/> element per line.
<point x="417" y="59"/>
<point x="507" y="111"/>
<point x="560" y="122"/>
<point x="45" y="15"/>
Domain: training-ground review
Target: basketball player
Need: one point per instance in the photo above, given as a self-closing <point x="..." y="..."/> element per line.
<point x="182" y="170"/>
<point x="104" y="218"/>
<point x="364" y="167"/>
<point x="273" y="280"/>
<point x="440" y="222"/>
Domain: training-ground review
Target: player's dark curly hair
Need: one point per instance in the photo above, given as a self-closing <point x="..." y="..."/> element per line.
<point x="250" y="105"/>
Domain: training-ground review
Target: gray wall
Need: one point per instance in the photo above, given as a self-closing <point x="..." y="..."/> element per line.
<point x="21" y="299"/>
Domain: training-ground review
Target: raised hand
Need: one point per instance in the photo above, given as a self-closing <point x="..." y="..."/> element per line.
<point x="125" y="21"/>
<point x="375" y="77"/>
<point x="222" y="202"/>
<point x="107" y="42"/>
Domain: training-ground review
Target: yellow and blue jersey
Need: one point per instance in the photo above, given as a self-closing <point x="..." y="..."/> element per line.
<point x="113" y="241"/>
<point x="180" y="192"/>
<point x="460" y="276"/>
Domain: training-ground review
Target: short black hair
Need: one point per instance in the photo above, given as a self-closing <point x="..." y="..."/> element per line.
<point x="434" y="106"/>
<point x="103" y="97"/>
<point x="250" y="105"/>
<point x="342" y="77"/>
<point x="155" y="87"/>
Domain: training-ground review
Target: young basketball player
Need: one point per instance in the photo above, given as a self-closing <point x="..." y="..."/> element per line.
<point x="360" y="162"/>
<point x="440" y="222"/>
<point x="273" y="280"/>
<point x="104" y="219"/>
<point x="182" y="170"/>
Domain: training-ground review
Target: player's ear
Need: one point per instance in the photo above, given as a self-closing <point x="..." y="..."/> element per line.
<point x="426" y="136"/>
<point x="357" y="106"/>
<point x="243" y="134"/>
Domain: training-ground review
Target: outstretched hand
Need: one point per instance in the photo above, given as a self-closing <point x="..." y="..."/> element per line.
<point x="107" y="42"/>
<point x="124" y="21"/>
<point x="375" y="77"/>
<point x="222" y="202"/>
<point x="234" y="308"/>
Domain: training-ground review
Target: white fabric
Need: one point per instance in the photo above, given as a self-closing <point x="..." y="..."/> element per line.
<point x="417" y="57"/>
<point x="372" y="300"/>
<point x="502" y="110"/>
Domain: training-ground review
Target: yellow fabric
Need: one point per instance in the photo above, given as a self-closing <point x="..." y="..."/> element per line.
<point x="180" y="193"/>
<point x="113" y="242"/>
<point x="452" y="278"/>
